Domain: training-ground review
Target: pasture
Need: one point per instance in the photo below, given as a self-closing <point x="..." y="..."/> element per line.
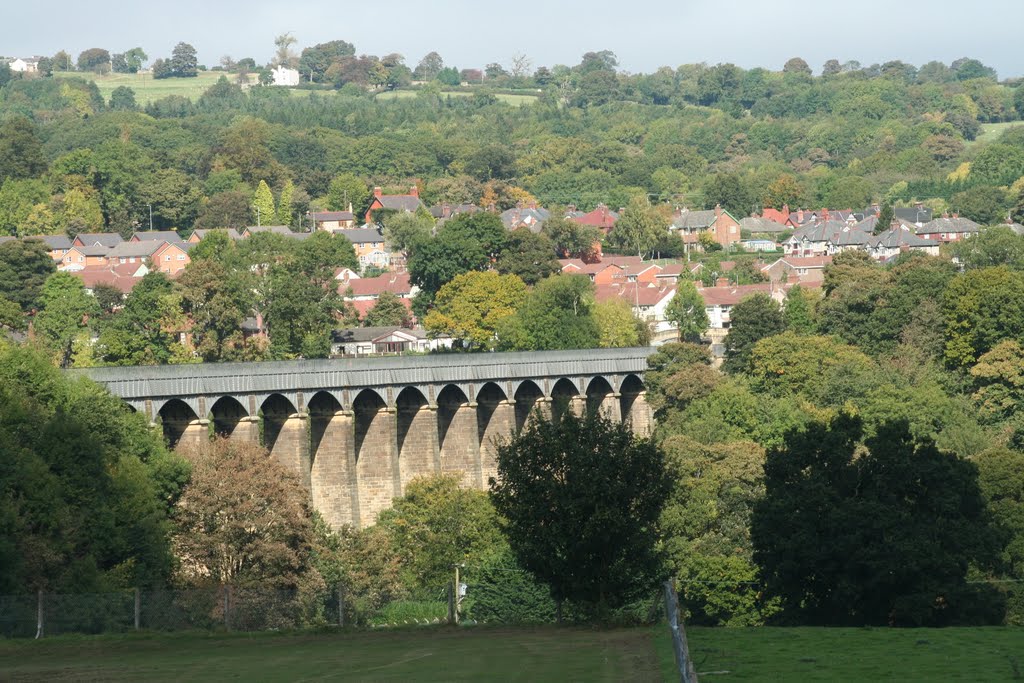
<point x="147" y="89"/>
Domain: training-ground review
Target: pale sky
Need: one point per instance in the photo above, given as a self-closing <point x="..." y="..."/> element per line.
<point x="645" y="34"/>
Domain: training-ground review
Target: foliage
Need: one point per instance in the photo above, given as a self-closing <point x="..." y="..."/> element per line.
<point x="788" y="362"/>
<point x="754" y="318"/>
<point x="579" y="500"/>
<point x="65" y="313"/>
<point x="999" y="382"/>
<point x="85" y="509"/>
<point x="981" y="309"/>
<point x="243" y="519"/>
<point x="472" y="307"/>
<point x="389" y="311"/>
<point x="437" y="524"/>
<point x="24" y="267"/>
<point x="921" y="508"/>
<point x="686" y="310"/>
<point x="556" y="314"/>
<point x="617" y="325"/>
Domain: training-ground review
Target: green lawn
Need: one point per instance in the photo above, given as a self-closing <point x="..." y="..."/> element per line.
<point x="515" y="100"/>
<point x="990" y="132"/>
<point x="147" y="89"/>
<point x="850" y="654"/>
<point x="527" y="654"/>
<point x="427" y="654"/>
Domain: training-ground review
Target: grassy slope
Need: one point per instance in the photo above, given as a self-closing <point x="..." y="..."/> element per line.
<point x="436" y="654"/>
<point x="516" y="100"/>
<point x="146" y="88"/>
<point x="990" y="132"/>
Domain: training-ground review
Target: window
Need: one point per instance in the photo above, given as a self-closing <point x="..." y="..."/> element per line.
<point x="181" y="257"/>
<point x="167" y="257"/>
<point x="131" y="259"/>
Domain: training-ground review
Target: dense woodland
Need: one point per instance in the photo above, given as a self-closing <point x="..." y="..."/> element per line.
<point x="858" y="459"/>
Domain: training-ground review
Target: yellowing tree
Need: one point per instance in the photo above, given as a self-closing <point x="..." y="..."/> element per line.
<point x="472" y="305"/>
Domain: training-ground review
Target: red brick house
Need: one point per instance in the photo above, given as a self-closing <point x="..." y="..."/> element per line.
<point x="409" y="203"/>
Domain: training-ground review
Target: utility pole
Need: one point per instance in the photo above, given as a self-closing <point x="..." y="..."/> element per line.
<point x="150" y="216"/>
<point x="457" y="596"/>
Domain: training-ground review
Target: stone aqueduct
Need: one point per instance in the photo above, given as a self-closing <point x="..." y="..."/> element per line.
<point x="356" y="431"/>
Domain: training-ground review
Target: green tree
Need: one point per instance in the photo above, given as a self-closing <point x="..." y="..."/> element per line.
<point x="751" y="320"/>
<point x="437" y="524"/>
<point x="404" y="231"/>
<point x="984" y="204"/>
<point x="995" y="246"/>
<point x="921" y="508"/>
<point x="472" y="307"/>
<point x="557" y="314"/>
<point x="792" y="363"/>
<point x="348" y="189"/>
<point x="528" y="255"/>
<point x="285" y="204"/>
<point x="579" y="501"/>
<point x="136" y="335"/>
<point x="617" y="325"/>
<point x="639" y="227"/>
<point x="21" y="152"/>
<point x="95" y="58"/>
<point x="11" y="316"/>
<point x="216" y="303"/>
<point x="183" y="61"/>
<point x="798" y="311"/>
<point x="389" y="311"/>
<point x="224" y="210"/>
<point x="25" y="266"/>
<point x="687" y="311"/>
<point x="314" y="61"/>
<point x="999" y="382"/>
<point x="571" y="239"/>
<point x="122" y="98"/>
<point x="263" y="208"/>
<point x="64" y="314"/>
<point x="1001" y="478"/>
<point x="85" y="509"/>
<point x="885" y="218"/>
<point x="982" y="308"/>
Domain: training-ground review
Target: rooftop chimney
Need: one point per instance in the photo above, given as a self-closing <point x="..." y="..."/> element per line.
<point x="414" y="191"/>
<point x="377" y="192"/>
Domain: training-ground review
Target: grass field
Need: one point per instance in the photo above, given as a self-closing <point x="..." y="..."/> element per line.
<point x="146" y="88"/>
<point x="527" y="654"/>
<point x="990" y="132"/>
<point x="516" y="100"/>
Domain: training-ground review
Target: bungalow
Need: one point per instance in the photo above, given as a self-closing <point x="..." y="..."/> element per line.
<point x="613" y="269"/>
<point x="948" y="229"/>
<point x="24" y="65"/>
<point x="366" y="341"/>
<point x="123" y="278"/>
<point x="671" y="272"/>
<point x="724" y="228"/>
<point x="198" y="236"/>
<point x="408" y="203"/>
<point x="332" y="220"/>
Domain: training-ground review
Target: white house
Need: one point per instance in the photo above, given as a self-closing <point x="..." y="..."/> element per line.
<point x="24" y="65"/>
<point x="285" y="76"/>
<point x="367" y="341"/>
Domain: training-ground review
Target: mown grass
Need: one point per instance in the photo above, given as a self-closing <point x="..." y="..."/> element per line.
<point x="508" y="98"/>
<point x="424" y="654"/>
<point x="527" y="654"/>
<point x="990" y="132"/>
<point x="845" y="654"/>
<point x="147" y="89"/>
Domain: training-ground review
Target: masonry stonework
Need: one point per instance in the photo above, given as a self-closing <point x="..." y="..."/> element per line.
<point x="332" y="476"/>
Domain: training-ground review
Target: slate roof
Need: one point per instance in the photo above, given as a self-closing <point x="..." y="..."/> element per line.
<point x="106" y="239"/>
<point x="135" y="249"/>
<point x="93" y="250"/>
<point x="365" y="334"/>
<point x="333" y="216"/>
<point x="852" y="237"/>
<point x="947" y="225"/>
<point x="765" y="225"/>
<point x="689" y="220"/>
<point x="532" y="218"/>
<point x="232" y="233"/>
<point x="895" y="238"/>
<point x="52" y="241"/>
<point x="400" y="202"/>
<point x="362" y="235"/>
<point x="158" y="236"/>
<point x="7" y="238"/>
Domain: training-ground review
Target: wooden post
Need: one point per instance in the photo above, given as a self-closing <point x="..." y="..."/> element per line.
<point x="679" y="645"/>
<point x="341" y="605"/>
<point x="451" y="605"/>
<point x="227" y="607"/>
<point x="39" y="614"/>
<point x="138" y="609"/>
<point x="457" y="591"/>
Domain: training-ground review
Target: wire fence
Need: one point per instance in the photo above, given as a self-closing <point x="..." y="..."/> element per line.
<point x="257" y="608"/>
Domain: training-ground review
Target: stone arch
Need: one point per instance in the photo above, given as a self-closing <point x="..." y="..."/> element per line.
<point x="333" y="485"/>
<point x="457" y="438"/>
<point x="495" y="421"/>
<point x="527" y="398"/>
<point x="563" y="393"/>
<point x="377" y="476"/>
<point x="275" y="411"/>
<point x="601" y="399"/>
<point x="633" y="405"/>
<point x="179" y="423"/>
<point x="227" y="414"/>
<point x="416" y="435"/>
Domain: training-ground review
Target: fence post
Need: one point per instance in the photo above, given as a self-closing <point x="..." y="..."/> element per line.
<point x="40" y="619"/>
<point x="227" y="607"/>
<point x="451" y="605"/>
<point x="679" y="645"/>
<point x="138" y="609"/>
<point x="341" y="605"/>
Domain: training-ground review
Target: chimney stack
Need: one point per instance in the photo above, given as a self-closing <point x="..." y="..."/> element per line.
<point x="377" y="192"/>
<point x="414" y="191"/>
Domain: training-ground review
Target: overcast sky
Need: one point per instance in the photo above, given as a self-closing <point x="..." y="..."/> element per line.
<point x="645" y="34"/>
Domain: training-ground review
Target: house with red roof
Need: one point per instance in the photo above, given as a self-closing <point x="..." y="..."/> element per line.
<point x="363" y="292"/>
<point x="601" y="218"/>
<point x="407" y="203"/>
